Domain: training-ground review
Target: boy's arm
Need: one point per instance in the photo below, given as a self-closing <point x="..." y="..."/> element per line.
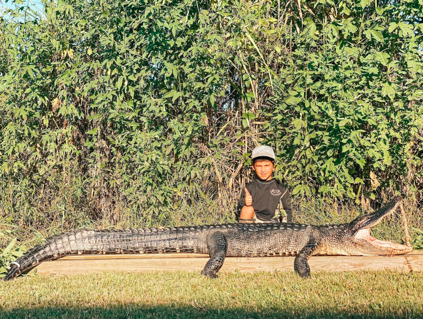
<point x="241" y="203"/>
<point x="248" y="198"/>
<point x="286" y="203"/>
<point x="245" y="199"/>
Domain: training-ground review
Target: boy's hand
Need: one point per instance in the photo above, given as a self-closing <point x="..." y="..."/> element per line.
<point x="248" y="198"/>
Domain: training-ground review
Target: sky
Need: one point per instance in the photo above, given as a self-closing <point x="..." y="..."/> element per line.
<point x="36" y="4"/>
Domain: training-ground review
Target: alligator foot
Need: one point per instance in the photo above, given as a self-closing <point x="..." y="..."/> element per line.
<point x="301" y="261"/>
<point x="217" y="245"/>
<point x="301" y="267"/>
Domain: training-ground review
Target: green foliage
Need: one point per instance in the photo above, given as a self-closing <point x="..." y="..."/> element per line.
<point x="347" y="110"/>
<point x="109" y="99"/>
<point x="418" y="239"/>
<point x="136" y="113"/>
<point x="9" y="254"/>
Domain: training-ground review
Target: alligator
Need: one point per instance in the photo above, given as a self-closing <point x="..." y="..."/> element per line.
<point x="220" y="241"/>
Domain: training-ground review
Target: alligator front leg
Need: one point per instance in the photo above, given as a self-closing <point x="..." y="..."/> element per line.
<point x="217" y="245"/>
<point x="301" y="261"/>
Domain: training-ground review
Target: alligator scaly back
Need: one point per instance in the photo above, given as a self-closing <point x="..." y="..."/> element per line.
<point x="220" y="241"/>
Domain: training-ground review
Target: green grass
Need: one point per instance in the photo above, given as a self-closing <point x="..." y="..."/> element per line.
<point x="190" y="295"/>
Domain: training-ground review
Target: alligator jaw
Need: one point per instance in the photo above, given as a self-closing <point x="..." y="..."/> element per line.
<point x="373" y="246"/>
<point x="365" y="244"/>
<point x="371" y="220"/>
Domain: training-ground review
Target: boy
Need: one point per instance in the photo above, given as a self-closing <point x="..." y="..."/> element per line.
<point x="261" y="199"/>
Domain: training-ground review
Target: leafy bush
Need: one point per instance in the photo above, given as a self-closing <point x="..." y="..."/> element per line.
<point x="135" y="113"/>
<point x="418" y="239"/>
<point x="9" y="254"/>
<point x="347" y="110"/>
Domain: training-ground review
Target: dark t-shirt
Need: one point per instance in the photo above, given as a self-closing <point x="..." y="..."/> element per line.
<point x="266" y="198"/>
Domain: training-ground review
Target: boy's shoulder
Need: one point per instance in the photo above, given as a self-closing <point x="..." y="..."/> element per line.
<point x="255" y="182"/>
<point x="280" y="185"/>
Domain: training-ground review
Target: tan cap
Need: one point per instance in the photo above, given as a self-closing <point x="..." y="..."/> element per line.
<point x="263" y="151"/>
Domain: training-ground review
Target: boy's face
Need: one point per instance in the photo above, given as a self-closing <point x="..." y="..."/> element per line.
<point x="264" y="169"/>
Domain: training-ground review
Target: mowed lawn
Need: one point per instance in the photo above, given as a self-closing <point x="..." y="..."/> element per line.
<point x="365" y="294"/>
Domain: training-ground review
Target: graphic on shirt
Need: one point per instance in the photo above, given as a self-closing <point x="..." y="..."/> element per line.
<point x="275" y="192"/>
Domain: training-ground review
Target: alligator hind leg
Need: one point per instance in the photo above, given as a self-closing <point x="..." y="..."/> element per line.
<point x="301" y="261"/>
<point x="217" y="245"/>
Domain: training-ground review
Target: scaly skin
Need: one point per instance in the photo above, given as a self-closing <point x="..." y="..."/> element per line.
<point x="220" y="241"/>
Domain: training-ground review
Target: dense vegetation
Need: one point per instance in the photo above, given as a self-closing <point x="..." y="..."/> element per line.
<point x="140" y="113"/>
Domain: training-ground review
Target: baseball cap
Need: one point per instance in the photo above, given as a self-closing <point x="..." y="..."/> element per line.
<point x="263" y="151"/>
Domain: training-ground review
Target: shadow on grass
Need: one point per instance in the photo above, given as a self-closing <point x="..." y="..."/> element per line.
<point x="137" y="311"/>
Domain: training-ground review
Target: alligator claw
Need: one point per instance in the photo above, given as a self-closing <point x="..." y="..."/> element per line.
<point x="213" y="276"/>
<point x="12" y="273"/>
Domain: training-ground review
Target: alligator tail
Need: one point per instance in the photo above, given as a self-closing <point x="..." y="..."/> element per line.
<point x="96" y="242"/>
<point x="54" y="248"/>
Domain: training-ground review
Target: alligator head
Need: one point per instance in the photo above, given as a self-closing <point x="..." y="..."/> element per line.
<point x="355" y="239"/>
